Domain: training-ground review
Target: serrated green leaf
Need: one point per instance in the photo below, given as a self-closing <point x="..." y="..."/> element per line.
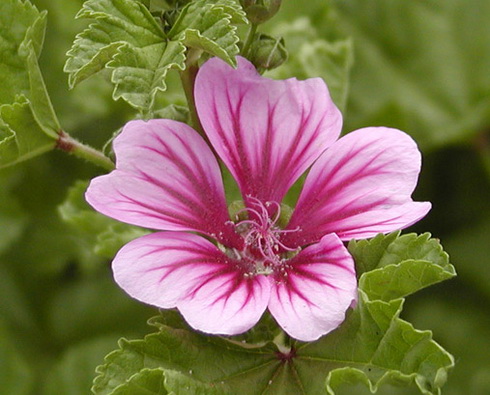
<point x="21" y="135"/>
<point x="312" y="56"/>
<point x="402" y="279"/>
<point x="368" y="253"/>
<point x="28" y="123"/>
<point x="145" y="382"/>
<point x="393" y="266"/>
<point x="373" y="340"/>
<point x="139" y="73"/>
<point x="384" y="250"/>
<point x="207" y="25"/>
<point x="127" y="39"/>
<point x="20" y="22"/>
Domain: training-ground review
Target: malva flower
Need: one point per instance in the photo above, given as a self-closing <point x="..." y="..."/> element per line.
<point x="222" y="273"/>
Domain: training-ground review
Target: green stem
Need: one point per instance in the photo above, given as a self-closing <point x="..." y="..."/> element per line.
<point x="249" y="40"/>
<point x="188" y="79"/>
<point x="68" y="144"/>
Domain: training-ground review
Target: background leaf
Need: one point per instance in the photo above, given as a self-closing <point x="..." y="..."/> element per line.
<point x="28" y="124"/>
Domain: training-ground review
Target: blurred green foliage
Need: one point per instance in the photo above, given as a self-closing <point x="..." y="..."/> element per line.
<point x="419" y="65"/>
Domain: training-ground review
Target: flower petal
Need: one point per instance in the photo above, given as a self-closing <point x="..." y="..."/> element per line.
<point x="166" y="178"/>
<point x="178" y="269"/>
<point x="312" y="295"/>
<point x="267" y="132"/>
<point x="360" y="187"/>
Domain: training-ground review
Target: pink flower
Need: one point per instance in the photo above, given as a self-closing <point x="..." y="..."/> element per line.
<point x="223" y="273"/>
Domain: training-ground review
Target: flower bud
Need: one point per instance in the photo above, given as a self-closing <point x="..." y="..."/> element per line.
<point x="267" y="52"/>
<point x="259" y="11"/>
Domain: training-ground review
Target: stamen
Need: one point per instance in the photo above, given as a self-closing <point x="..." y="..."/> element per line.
<point x="261" y="234"/>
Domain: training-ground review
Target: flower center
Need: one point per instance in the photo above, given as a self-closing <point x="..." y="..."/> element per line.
<point x="263" y="251"/>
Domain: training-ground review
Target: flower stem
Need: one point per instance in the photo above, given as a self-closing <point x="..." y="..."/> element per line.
<point x="249" y="40"/>
<point x="68" y="144"/>
<point x="188" y="79"/>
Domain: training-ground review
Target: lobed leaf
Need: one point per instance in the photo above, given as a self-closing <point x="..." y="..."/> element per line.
<point x="373" y="346"/>
<point x="208" y="25"/>
<point x="126" y="39"/>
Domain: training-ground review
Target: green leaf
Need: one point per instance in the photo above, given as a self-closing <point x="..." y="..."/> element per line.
<point x="139" y="73"/>
<point x="179" y="383"/>
<point x="373" y="341"/>
<point x="21" y="135"/>
<point x="312" y="56"/>
<point x="146" y="382"/>
<point x="20" y="22"/>
<point x="207" y="25"/>
<point x="400" y="280"/>
<point x="384" y="250"/>
<point x="399" y="267"/>
<point x="368" y="253"/>
<point x="127" y="39"/>
<point x="28" y="124"/>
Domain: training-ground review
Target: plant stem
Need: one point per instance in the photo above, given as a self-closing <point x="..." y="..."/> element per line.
<point x="249" y="39"/>
<point x="188" y="79"/>
<point x="68" y="144"/>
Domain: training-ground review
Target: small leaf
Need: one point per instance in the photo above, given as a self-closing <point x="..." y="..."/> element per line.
<point x="400" y="280"/>
<point x="384" y="250"/>
<point x="207" y="25"/>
